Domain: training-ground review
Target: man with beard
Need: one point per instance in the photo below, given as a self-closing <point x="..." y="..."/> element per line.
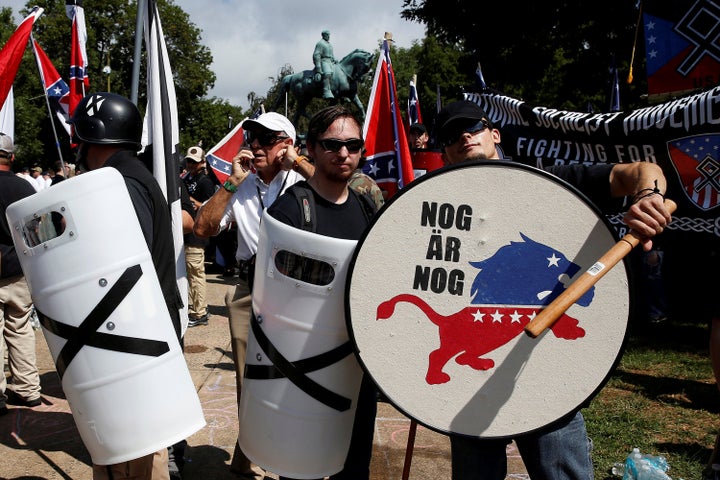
<point x="335" y="144"/>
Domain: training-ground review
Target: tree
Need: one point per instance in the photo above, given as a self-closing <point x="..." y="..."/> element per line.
<point x="209" y="122"/>
<point x="111" y="42"/>
<point x="553" y="53"/>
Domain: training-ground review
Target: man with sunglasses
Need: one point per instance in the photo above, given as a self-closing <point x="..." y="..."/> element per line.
<point x="334" y="141"/>
<point x="561" y="450"/>
<point x="265" y="166"/>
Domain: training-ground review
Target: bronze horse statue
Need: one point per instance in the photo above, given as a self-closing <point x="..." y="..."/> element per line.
<point x="346" y="75"/>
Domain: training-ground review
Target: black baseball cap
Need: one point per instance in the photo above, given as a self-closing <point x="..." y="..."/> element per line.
<point x="460" y="110"/>
<point x="418" y="128"/>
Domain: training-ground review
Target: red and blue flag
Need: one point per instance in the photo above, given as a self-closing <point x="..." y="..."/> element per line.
<point x="220" y="156"/>
<point x="79" y="80"/>
<point x="386" y="146"/>
<point x="56" y="89"/>
<point x="413" y="109"/>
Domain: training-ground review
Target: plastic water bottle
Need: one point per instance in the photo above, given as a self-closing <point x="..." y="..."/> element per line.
<point x="618" y="469"/>
<point x="657" y="461"/>
<point x="640" y="466"/>
<point x="632" y="465"/>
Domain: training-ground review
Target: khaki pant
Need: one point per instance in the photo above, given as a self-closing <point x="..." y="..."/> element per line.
<point x="239" y="302"/>
<point x="197" y="285"/>
<point x="149" y="467"/>
<point x="15" y="327"/>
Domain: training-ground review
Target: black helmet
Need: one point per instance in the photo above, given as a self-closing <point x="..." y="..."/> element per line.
<point x="107" y="119"/>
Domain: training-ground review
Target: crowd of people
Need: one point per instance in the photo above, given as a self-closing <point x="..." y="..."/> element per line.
<point x="267" y="174"/>
<point x="41" y="179"/>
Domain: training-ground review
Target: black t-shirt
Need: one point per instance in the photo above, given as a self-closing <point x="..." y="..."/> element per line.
<point x="12" y="189"/>
<point x="200" y="187"/>
<point x="593" y="181"/>
<point x="347" y="220"/>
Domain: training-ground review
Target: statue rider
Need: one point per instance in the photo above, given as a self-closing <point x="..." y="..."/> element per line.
<point x="323" y="59"/>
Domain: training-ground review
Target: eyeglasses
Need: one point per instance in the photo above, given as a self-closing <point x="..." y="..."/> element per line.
<point x="454" y="135"/>
<point x="354" y="145"/>
<point x="264" y="138"/>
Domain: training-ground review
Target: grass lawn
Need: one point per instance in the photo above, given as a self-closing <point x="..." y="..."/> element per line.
<point x="662" y="398"/>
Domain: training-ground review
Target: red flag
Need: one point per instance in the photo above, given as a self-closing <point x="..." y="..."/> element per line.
<point x="79" y="81"/>
<point x="56" y="90"/>
<point x="11" y="54"/>
<point x="386" y="146"/>
<point x="220" y="156"/>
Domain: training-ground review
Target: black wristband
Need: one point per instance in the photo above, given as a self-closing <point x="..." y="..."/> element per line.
<point x="646" y="192"/>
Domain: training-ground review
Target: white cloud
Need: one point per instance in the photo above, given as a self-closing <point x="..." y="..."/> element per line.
<point x="252" y="40"/>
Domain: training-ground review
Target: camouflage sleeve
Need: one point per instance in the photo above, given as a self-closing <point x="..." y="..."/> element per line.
<point x="361" y="183"/>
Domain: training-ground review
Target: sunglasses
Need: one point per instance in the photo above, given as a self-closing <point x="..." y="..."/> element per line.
<point x="265" y="139"/>
<point x="454" y="135"/>
<point x="354" y="145"/>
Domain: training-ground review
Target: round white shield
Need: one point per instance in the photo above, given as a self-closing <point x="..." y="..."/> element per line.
<point x="449" y="274"/>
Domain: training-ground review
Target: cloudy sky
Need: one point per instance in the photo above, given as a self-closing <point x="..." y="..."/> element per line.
<point x="251" y="40"/>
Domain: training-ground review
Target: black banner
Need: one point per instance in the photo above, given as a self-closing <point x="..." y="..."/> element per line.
<point x="681" y="136"/>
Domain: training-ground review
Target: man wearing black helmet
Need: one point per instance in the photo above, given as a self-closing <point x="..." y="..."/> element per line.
<point x="107" y="128"/>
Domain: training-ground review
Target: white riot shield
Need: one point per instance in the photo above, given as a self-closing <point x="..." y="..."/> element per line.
<point x="301" y="378"/>
<point x="104" y="317"/>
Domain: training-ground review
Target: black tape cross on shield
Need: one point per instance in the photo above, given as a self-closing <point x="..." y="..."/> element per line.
<point x="296" y="371"/>
<point x="86" y="333"/>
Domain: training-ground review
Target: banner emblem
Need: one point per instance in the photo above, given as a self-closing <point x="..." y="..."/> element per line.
<point x="696" y="160"/>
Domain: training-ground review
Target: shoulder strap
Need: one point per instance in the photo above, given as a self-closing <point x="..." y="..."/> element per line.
<point x="306" y="202"/>
<point x="367" y="203"/>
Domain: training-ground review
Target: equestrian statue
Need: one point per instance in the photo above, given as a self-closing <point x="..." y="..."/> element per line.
<point x="341" y="82"/>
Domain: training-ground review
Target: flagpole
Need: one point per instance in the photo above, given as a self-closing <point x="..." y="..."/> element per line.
<point x="632" y="55"/>
<point x="47" y="103"/>
<point x="438" y="99"/>
<point x="138" y="50"/>
<point x="393" y="105"/>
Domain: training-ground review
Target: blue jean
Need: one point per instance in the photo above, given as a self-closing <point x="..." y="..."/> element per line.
<point x="558" y="452"/>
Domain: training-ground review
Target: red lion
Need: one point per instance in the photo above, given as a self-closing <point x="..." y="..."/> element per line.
<point x="475" y="331"/>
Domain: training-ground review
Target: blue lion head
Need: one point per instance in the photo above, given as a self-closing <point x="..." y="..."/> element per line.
<point x="524" y="273"/>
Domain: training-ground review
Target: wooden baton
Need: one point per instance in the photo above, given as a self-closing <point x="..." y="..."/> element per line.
<point x="550" y="314"/>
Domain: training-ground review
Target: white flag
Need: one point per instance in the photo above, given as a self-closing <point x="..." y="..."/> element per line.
<point x="161" y="137"/>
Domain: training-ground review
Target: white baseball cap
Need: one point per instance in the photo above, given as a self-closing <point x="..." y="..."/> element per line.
<point x="195" y="154"/>
<point x="274" y="122"/>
